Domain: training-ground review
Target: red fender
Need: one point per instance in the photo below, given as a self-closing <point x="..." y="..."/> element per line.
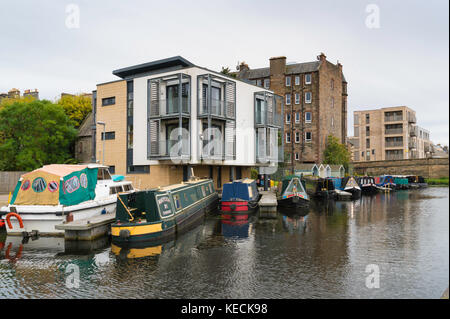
<point x="8" y="221"/>
<point x="18" y="254"/>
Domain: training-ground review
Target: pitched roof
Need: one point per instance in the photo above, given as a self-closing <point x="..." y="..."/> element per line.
<point x="335" y="167"/>
<point x="290" y="69"/>
<point x="305" y="166"/>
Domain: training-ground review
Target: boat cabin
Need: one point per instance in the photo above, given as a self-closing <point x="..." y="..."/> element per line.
<point x="240" y="190"/>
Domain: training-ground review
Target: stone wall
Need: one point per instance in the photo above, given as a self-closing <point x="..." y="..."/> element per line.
<point x="426" y="167"/>
<point x="8" y="181"/>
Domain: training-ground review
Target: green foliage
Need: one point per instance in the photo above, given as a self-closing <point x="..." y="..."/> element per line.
<point x="33" y="134"/>
<point x="336" y="153"/>
<point x="77" y="107"/>
<point x="228" y="72"/>
<point x="254" y="173"/>
<point x="437" y="181"/>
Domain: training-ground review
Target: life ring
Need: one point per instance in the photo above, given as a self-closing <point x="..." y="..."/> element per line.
<point x="8" y="221"/>
<point x="18" y="254"/>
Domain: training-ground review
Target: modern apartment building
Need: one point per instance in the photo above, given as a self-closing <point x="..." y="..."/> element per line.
<point x="388" y="134"/>
<point x="315" y="95"/>
<point x="165" y="118"/>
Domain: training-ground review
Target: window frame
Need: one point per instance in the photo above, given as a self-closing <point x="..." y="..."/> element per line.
<point x="306" y="136"/>
<point x="286" y="99"/>
<point x="288" y="137"/>
<point x="310" y="97"/>
<point x="287" y="81"/>
<point x="306" y="117"/>
<point x="297" y="98"/>
<point x="297" y="80"/>
<point x="310" y="78"/>
<point x="106" y="99"/>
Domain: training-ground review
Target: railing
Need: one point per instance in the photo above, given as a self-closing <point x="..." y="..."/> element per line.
<point x="393" y="131"/>
<point x="218" y="108"/>
<point x="167" y="107"/>
<point x="413" y="130"/>
<point x="411" y="118"/>
<point x="393" y="118"/>
<point x="394" y="144"/>
<point x="269" y="118"/>
<point x="412" y="144"/>
<point x="394" y="157"/>
<point x="170" y="149"/>
<point x="212" y="151"/>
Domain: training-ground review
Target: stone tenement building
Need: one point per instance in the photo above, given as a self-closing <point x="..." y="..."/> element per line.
<point x="389" y="134"/>
<point x="315" y="98"/>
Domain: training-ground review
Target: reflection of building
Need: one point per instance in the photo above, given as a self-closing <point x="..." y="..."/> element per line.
<point x="388" y="134"/>
<point x="168" y="116"/>
<point x="315" y="96"/>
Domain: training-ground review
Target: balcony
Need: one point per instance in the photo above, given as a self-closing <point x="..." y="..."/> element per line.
<point x="170" y="149"/>
<point x="390" y="157"/>
<point x="267" y="148"/>
<point x="412" y="144"/>
<point x="393" y="131"/>
<point x="427" y="148"/>
<point x="217" y="150"/>
<point x="393" y="118"/>
<point x="169" y="107"/>
<point x="413" y="130"/>
<point x="411" y="118"/>
<point x="268" y="110"/>
<point x="218" y="108"/>
<point x="398" y="144"/>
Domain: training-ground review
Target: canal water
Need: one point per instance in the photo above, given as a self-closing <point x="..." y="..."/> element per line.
<point x="334" y="251"/>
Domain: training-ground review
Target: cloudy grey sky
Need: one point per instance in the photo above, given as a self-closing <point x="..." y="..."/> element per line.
<point x="403" y="62"/>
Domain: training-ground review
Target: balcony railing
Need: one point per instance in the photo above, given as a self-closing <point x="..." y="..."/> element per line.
<point x="393" y="118"/>
<point x="389" y="131"/>
<point x="169" y="107"/>
<point x="269" y="118"/>
<point x="170" y="149"/>
<point x="218" y="108"/>
<point x="411" y="118"/>
<point x="394" y="157"/>
<point x="427" y="148"/>
<point x="412" y="144"/>
<point x="413" y="130"/>
<point x="394" y="144"/>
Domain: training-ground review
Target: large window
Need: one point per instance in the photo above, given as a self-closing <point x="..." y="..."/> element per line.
<point x="308" y="78"/>
<point x="297" y="117"/>
<point x="172" y="97"/>
<point x="308" y="117"/>
<point x="288" y="118"/>
<point x="288" y="137"/>
<point x="266" y="83"/>
<point x="108" y="101"/>
<point x="297" y="137"/>
<point x="288" y="99"/>
<point x="297" y="80"/>
<point x="288" y="81"/>
<point x="308" y="97"/>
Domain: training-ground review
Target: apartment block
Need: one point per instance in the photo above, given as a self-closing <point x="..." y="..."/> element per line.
<point x="315" y="98"/>
<point x="389" y="134"/>
<point x="165" y="119"/>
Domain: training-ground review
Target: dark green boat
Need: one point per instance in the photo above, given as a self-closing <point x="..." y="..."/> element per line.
<point x="292" y="194"/>
<point x="159" y="214"/>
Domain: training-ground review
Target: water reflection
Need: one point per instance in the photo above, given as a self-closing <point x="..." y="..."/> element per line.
<point x="321" y="253"/>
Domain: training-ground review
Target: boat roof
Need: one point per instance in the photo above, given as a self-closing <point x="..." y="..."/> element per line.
<point x="179" y="185"/>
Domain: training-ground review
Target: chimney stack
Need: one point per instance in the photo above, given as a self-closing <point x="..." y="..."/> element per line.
<point x="277" y="65"/>
<point x="322" y="57"/>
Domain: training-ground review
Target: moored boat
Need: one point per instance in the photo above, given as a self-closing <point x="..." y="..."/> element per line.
<point x="367" y="185"/>
<point x="319" y="187"/>
<point x="347" y="184"/>
<point x="292" y="194"/>
<point x="401" y="182"/>
<point x="239" y="199"/>
<point x="385" y="181"/>
<point x="160" y="214"/>
<point x="57" y="193"/>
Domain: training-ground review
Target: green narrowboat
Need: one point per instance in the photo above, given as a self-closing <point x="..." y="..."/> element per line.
<point x="159" y="214"/>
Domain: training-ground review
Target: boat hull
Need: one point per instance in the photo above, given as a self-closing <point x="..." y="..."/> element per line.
<point x="167" y="229"/>
<point x="356" y="192"/>
<point x="237" y="210"/>
<point x="44" y="218"/>
<point x="369" y="189"/>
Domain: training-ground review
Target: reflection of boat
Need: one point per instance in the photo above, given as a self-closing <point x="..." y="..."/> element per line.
<point x="239" y="198"/>
<point x="57" y="193"/>
<point x="385" y="181"/>
<point x="319" y="187"/>
<point x="237" y="229"/>
<point x="158" y="214"/>
<point x="295" y="223"/>
<point x="291" y="194"/>
<point x="136" y="251"/>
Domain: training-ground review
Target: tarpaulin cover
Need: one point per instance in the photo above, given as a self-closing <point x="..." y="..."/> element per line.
<point x="53" y="184"/>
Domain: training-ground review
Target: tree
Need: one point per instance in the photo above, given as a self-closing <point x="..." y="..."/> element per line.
<point x="228" y="72"/>
<point x="33" y="134"/>
<point x="336" y="153"/>
<point x="77" y="107"/>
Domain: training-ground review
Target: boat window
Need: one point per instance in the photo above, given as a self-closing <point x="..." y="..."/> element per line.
<point x="176" y="199"/>
<point x="250" y="191"/>
<point x="203" y="190"/>
<point x="26" y="185"/>
<point x="103" y="174"/>
<point x="39" y="185"/>
<point x="127" y="187"/>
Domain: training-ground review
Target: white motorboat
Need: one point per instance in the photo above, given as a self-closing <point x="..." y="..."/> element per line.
<point x="60" y="193"/>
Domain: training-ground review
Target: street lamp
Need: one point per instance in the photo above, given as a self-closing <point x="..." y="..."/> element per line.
<point x="104" y="138"/>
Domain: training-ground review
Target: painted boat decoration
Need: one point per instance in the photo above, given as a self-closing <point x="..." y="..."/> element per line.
<point x="350" y="185"/>
<point x="239" y="198"/>
<point x="57" y="193"/>
<point x="367" y="185"/>
<point x="385" y="181"/>
<point x="292" y="194"/>
<point x="401" y="182"/>
<point x="319" y="187"/>
<point x="160" y="214"/>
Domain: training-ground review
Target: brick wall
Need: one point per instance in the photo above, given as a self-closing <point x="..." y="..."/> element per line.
<point x="426" y="167"/>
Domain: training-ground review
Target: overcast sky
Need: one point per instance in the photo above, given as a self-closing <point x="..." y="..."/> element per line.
<point x="402" y="58"/>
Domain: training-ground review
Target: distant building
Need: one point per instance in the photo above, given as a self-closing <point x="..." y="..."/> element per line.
<point x="14" y="93"/>
<point x="439" y="151"/>
<point x="3" y="96"/>
<point x="83" y="144"/>
<point x="388" y="134"/>
<point x="32" y="93"/>
<point x="315" y="96"/>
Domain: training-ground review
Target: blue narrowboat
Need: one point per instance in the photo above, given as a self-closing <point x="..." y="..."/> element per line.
<point x="367" y="185"/>
<point x="239" y="199"/>
<point x="386" y="181"/>
<point x="159" y="214"/>
<point x="347" y="184"/>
